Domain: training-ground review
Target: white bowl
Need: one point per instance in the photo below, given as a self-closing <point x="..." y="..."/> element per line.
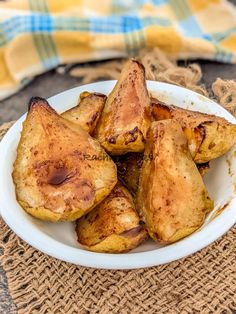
<point x="59" y="240"/>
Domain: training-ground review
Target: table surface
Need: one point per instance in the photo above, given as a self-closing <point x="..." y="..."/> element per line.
<point x="51" y="83"/>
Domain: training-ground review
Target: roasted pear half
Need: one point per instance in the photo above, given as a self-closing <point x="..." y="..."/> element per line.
<point x="113" y="226"/>
<point x="128" y="170"/>
<point x="208" y="136"/>
<point x="126" y="116"/>
<point x="60" y="172"/>
<point x="87" y="112"/>
<point x="171" y="198"/>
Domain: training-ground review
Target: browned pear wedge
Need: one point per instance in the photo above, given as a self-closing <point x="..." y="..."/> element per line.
<point x="125" y="119"/>
<point x="87" y="112"/>
<point x="60" y="172"/>
<point x="208" y="136"/>
<point x="128" y="170"/>
<point x="113" y="226"/>
<point x="171" y="198"/>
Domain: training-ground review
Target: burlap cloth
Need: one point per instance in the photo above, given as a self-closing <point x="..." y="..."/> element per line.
<point x="202" y="283"/>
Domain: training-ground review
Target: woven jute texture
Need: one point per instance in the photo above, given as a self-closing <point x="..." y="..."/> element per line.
<point x="202" y="283"/>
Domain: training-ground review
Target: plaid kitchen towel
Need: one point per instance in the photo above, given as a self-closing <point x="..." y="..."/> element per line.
<point x="38" y="35"/>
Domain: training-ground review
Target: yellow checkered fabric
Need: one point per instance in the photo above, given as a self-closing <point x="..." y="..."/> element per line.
<point x="38" y="35"/>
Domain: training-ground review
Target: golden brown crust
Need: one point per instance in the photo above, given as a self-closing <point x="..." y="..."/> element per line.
<point x="54" y="178"/>
<point x="208" y="136"/>
<point x="87" y="113"/>
<point x="172" y="197"/>
<point x="113" y="226"/>
<point x="126" y="117"/>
